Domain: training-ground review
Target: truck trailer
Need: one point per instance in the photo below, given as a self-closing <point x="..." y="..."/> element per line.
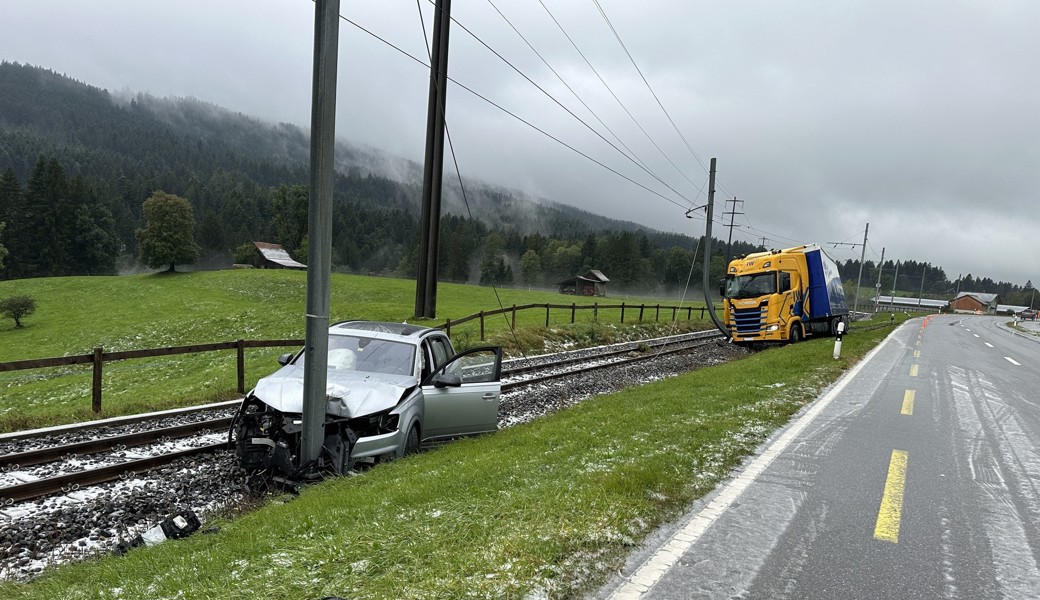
<point x="783" y="296"/>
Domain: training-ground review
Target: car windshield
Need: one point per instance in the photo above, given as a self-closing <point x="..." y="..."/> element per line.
<point x="751" y="286"/>
<point x="370" y="355"/>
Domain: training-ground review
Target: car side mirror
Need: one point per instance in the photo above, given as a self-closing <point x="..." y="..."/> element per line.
<point x="443" y="380"/>
<point x="285" y="358"/>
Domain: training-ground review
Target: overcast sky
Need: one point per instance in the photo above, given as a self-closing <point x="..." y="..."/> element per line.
<point x="921" y="118"/>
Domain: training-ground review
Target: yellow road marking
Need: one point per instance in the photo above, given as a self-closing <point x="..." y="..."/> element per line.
<point x="913" y="371"/>
<point x="908" y="402"/>
<point x="917" y="354"/>
<point x="890" y="514"/>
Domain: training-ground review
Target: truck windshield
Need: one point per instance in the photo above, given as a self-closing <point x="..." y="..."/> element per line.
<point x="751" y="286"/>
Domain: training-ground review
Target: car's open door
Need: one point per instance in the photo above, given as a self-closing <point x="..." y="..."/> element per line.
<point x="461" y="396"/>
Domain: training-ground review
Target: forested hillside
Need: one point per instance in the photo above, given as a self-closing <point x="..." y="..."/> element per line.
<point x="77" y="163"/>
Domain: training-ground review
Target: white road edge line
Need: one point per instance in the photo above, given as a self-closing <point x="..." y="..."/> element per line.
<point x="655" y="567"/>
<point x="1012" y="361"/>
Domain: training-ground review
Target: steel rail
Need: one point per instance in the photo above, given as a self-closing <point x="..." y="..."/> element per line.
<point x="72" y="481"/>
<point x="711" y="334"/>
<point x="510" y="386"/>
<point x="138" y="438"/>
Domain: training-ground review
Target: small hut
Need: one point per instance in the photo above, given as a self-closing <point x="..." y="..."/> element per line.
<point x="593" y="283"/>
<point x="274" y="256"/>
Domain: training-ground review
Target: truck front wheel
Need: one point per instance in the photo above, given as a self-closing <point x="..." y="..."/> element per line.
<point x="796" y="333"/>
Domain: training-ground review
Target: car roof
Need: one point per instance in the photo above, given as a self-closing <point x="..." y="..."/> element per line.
<point x="405" y="330"/>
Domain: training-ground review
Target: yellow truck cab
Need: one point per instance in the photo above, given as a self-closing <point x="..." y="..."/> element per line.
<point x="783" y="295"/>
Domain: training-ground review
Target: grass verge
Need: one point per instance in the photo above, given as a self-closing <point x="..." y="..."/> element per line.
<point x="545" y="509"/>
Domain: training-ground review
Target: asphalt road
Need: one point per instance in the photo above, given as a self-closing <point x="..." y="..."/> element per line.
<point x="917" y="476"/>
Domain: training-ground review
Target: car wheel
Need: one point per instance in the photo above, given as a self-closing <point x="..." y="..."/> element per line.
<point x="796" y="333"/>
<point x="411" y="443"/>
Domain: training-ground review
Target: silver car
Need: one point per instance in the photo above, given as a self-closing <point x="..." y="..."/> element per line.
<point x="391" y="387"/>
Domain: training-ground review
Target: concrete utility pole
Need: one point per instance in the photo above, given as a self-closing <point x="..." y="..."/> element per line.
<point x="731" y="213"/>
<point x="707" y="251"/>
<point x="862" y="257"/>
<point x="877" y="294"/>
<point x="319" y="224"/>
<point x="433" y="169"/>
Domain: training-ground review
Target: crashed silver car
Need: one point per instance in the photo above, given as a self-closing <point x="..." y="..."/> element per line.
<point x="391" y="387"/>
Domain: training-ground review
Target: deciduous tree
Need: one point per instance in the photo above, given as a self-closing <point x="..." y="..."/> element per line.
<point x="168" y="238"/>
<point x="17" y="308"/>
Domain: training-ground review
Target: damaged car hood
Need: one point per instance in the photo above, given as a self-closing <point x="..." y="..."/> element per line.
<point x="350" y="393"/>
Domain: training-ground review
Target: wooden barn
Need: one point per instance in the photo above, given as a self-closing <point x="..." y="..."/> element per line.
<point x="975" y="302"/>
<point x="593" y="283"/>
<point x="274" y="256"/>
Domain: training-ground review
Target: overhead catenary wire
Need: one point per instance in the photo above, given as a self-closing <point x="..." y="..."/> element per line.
<point x="565" y="108"/>
<point x="570" y="89"/>
<point x="614" y="95"/>
<point x="512" y="114"/>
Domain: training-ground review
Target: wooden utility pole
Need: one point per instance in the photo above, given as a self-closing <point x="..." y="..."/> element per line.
<point x="433" y="169"/>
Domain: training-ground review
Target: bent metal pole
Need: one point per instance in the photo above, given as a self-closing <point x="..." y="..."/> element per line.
<point x="707" y="252"/>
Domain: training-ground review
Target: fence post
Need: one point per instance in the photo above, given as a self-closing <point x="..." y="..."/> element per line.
<point x="674" y="312"/>
<point x="657" y="317"/>
<point x="514" y="316"/>
<point x="546" y="315"/>
<point x="572" y="313"/>
<point x="689" y="313"/>
<point x="702" y="312"/>
<point x="447" y="328"/>
<point x="641" y="307"/>
<point x="622" y="313"/>
<point x="95" y="400"/>
<point x="595" y="312"/>
<point x="481" y="326"/>
<point x="241" y="366"/>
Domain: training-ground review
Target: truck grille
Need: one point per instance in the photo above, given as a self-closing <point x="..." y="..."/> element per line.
<point x="748" y="321"/>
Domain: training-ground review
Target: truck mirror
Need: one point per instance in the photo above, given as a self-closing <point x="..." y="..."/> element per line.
<point x="722" y="290"/>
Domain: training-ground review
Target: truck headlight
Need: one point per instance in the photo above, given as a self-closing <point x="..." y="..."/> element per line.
<point x="772" y="328"/>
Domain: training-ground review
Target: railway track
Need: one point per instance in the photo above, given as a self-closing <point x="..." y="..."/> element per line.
<point x="516" y="375"/>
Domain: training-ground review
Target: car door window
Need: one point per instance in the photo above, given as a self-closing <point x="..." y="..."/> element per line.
<point x="439" y="347"/>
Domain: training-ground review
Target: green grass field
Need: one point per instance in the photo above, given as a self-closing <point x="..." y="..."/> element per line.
<point x="76" y="314"/>
<point x="547" y="509"/>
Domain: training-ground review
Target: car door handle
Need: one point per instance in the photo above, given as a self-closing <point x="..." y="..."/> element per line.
<point x="490" y="396"/>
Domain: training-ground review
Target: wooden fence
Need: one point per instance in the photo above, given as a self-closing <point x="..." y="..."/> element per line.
<point x="99" y="357"/>
<point x="676" y="311"/>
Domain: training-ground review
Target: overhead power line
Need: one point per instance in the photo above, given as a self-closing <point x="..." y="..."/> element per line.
<point x="514" y="115"/>
<point x="564" y="107"/>
<point x="615" y="96"/>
